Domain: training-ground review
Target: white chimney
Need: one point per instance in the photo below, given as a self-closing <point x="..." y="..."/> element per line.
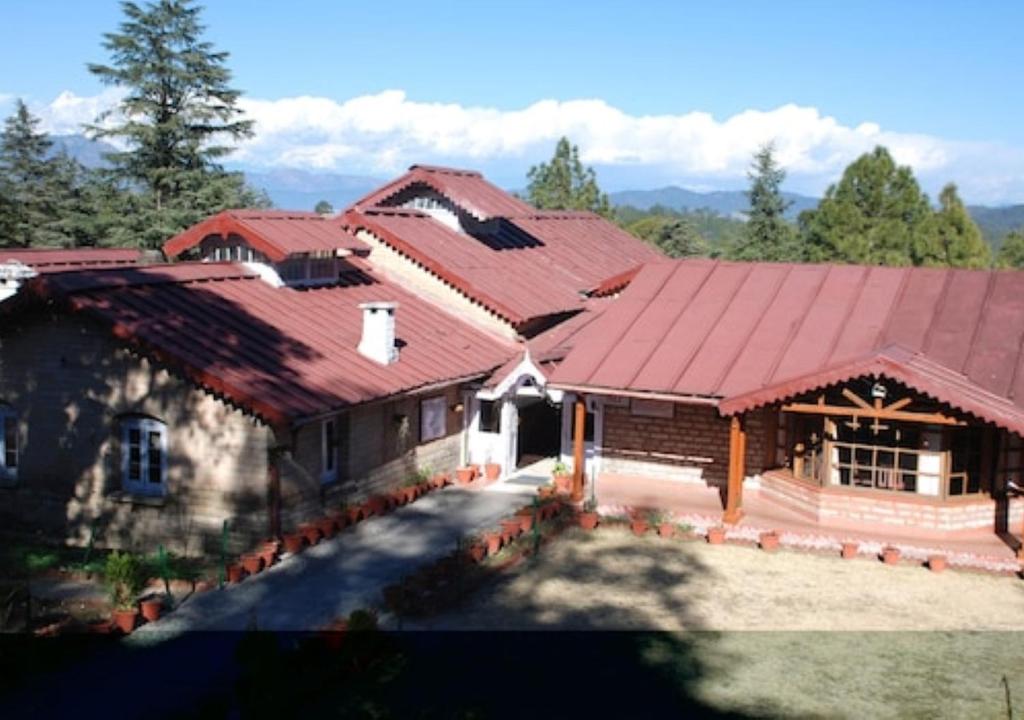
<point x="378" y="341"/>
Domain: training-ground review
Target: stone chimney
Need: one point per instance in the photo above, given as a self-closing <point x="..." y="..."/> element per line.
<point x="378" y="341"/>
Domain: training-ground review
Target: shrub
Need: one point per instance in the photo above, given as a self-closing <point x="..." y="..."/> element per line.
<point x="125" y="579"/>
<point x="560" y="468"/>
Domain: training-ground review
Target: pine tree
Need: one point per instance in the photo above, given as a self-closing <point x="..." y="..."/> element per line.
<point x="680" y="239"/>
<point x="767" y="235"/>
<point x="177" y="111"/>
<point x="36" y="188"/>
<point x="954" y="240"/>
<point x="564" y="184"/>
<point x="875" y="215"/>
<point x="1011" y="254"/>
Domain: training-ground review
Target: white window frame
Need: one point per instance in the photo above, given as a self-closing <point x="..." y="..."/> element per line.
<point x="328" y="451"/>
<point x="433" y="418"/>
<point x="7" y="414"/>
<point x="143" y="485"/>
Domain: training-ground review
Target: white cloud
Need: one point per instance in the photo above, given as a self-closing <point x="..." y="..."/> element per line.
<point x="385" y="132"/>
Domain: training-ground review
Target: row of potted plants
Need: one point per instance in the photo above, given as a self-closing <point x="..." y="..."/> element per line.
<point x="468" y="474"/>
<point x="125" y="576"/>
<point x="440" y="585"/>
<point x="641" y="521"/>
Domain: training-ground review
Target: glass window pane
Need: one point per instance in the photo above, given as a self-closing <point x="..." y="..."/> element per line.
<point x="154" y="457"/>
<point x="134" y="454"/>
<point x="10" y="441"/>
<point x="490" y="416"/>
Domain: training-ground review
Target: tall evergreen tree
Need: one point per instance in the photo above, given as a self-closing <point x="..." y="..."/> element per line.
<point x="955" y="240"/>
<point x="176" y="115"/>
<point x="1011" y="254"/>
<point x="767" y="235"/>
<point x="35" y="187"/>
<point x="564" y="184"/>
<point x="876" y="214"/>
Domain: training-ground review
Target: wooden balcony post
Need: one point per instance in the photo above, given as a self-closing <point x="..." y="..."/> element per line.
<point x="737" y="469"/>
<point x="578" y="459"/>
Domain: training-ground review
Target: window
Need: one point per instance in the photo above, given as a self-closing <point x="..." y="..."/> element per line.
<point x="329" y="451"/>
<point x="433" y="418"/>
<point x="8" y="444"/>
<point x="490" y="416"/>
<point x="144" y="456"/>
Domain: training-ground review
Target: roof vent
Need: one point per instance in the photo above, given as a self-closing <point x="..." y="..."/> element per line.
<point x="378" y="341"/>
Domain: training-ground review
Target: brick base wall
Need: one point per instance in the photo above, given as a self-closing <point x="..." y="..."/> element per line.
<point x="691" y="446"/>
<point x="824" y="505"/>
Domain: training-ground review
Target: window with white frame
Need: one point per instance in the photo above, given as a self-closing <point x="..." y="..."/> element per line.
<point x="329" y="450"/>
<point x="490" y="416"/>
<point x="144" y="456"/>
<point x="433" y="418"/>
<point x="8" y="444"/>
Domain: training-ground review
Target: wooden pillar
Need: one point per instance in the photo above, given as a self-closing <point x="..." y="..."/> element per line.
<point x="578" y="459"/>
<point x="737" y="469"/>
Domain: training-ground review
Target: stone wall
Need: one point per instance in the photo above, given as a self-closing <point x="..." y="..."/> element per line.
<point x="691" y="446"/>
<point x="69" y="383"/>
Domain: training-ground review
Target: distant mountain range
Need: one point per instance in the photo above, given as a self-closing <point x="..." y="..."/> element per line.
<point x="302" y="190"/>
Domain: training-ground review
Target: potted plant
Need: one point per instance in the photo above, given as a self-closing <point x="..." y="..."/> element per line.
<point x="492" y="471"/>
<point x="124" y="577"/>
<point x="294" y="542"/>
<point x="252" y="562"/>
<point x="639" y="523"/>
<point x="849" y="549"/>
<point x="493" y="540"/>
<point x="235" y="573"/>
<point x="511" y="527"/>
<point x="561" y="477"/>
<point x="937" y="563"/>
<point x="525" y="516"/>
<point x="464" y="475"/>
<point x="327" y="526"/>
<point x="151" y="608"/>
<point x="475" y="467"/>
<point x="311" y="532"/>
<point x="546" y="491"/>
<point x="716" y="535"/>
<point x="890" y="555"/>
<point x="769" y="541"/>
<point x="666" y="528"/>
<point x="377" y="504"/>
<point x="439" y="480"/>
<point x="588" y="518"/>
<point x="355" y="513"/>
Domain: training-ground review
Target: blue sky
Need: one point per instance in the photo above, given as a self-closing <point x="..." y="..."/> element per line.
<point x="940" y="83"/>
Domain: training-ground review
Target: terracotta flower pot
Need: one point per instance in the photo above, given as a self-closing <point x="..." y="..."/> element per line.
<point x="311" y="532"/>
<point x="235" y="573"/>
<point x="439" y="480"/>
<point x="424" y="488"/>
<point x="890" y="555"/>
<point x="294" y="543"/>
<point x="563" y="483"/>
<point x="340" y="519"/>
<point x="667" y="530"/>
<point x="477" y="552"/>
<point x="151" y="609"/>
<point x="252" y="563"/>
<point x="493" y="541"/>
<point x="849" y="550"/>
<point x="464" y="476"/>
<point x="268" y="554"/>
<point x="937" y="563"/>
<point x="546" y="491"/>
<point x="377" y="505"/>
<point x="411" y="493"/>
<point x="639" y="526"/>
<point x="525" y="521"/>
<point x="397" y="497"/>
<point x="124" y="620"/>
<point x="475" y="467"/>
<point x="327" y="526"/>
<point x="512" y="526"/>
<point x="588" y="520"/>
<point x="716" y="535"/>
<point x="355" y="514"/>
<point x="492" y="471"/>
<point x="769" y="541"/>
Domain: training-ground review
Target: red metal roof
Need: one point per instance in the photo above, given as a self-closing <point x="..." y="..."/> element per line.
<point x="275" y="233"/>
<point x="751" y="333"/>
<point x="282" y="353"/>
<point x="46" y="260"/>
<point x="532" y="266"/>
<point x="466" y="188"/>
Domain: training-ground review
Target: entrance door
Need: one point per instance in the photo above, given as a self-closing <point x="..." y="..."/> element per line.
<point x="539" y="433"/>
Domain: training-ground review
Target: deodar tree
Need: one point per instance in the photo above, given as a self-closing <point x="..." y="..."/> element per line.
<point x="177" y="119"/>
<point x="565" y="184"/>
<point x="767" y="235"/>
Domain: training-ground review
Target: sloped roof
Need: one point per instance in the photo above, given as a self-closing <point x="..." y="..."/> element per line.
<point x="275" y="233"/>
<point x="282" y="353"/>
<point x="533" y="266"/>
<point x="47" y="260"/>
<point x="751" y="333"/>
<point x="466" y="188"/>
